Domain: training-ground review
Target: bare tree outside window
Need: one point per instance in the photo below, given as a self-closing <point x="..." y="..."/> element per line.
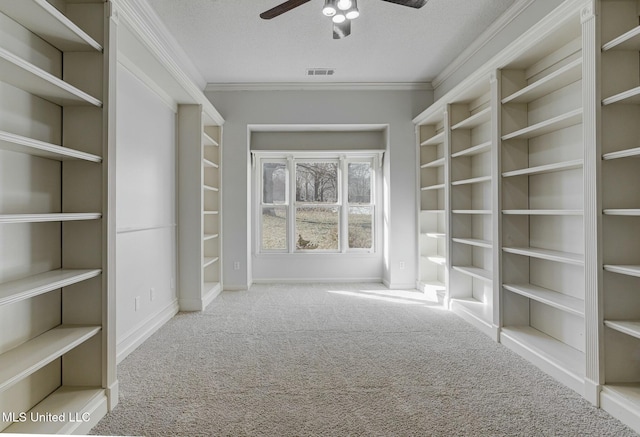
<point x="317" y="182"/>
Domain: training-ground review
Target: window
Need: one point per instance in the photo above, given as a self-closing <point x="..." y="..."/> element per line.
<point x="311" y="203"/>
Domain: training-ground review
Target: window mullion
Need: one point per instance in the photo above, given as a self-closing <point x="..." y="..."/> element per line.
<point x="344" y="205"/>
<point x="291" y="210"/>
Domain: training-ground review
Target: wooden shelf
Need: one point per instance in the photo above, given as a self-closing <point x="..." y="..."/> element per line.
<point x="475" y="120"/>
<point x="209" y="188"/>
<point x="436" y="163"/>
<point x="631" y="96"/>
<point x="626" y="212"/>
<point x="57" y="217"/>
<point x="549" y="255"/>
<point x="475" y="272"/>
<point x="626" y="41"/>
<point x="209" y="260"/>
<point x="208" y="141"/>
<point x="41" y="18"/>
<point x="549" y="168"/>
<point x="20" y="144"/>
<point x="629" y="270"/>
<point x="560" y="122"/>
<point x="477" y="180"/>
<point x="210" y="236"/>
<point x="558" y="212"/>
<point x="436" y="139"/>
<point x="627" y="153"/>
<point x="21" y="74"/>
<point x="23" y="360"/>
<point x="544" y="349"/>
<point x="487" y="244"/>
<point x="35" y="285"/>
<point x="209" y="164"/>
<point x="564" y="76"/>
<point x="552" y="298"/>
<point x="67" y="401"/>
<point x="472" y="211"/>
<point x="474" y="150"/>
<point x="629" y="327"/>
<point x="433" y="187"/>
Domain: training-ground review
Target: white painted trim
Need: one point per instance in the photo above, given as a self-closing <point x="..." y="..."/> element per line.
<point x="129" y="229"/>
<point x="399" y="285"/>
<point x="113" y="395"/>
<point x="528" y="39"/>
<point x="136" y="71"/>
<point x="325" y="86"/>
<point x="131" y="14"/>
<point x="236" y="287"/>
<point x="316" y="128"/>
<point x="166" y="39"/>
<point x="210" y="296"/>
<point x="496" y="27"/>
<point x="145" y="330"/>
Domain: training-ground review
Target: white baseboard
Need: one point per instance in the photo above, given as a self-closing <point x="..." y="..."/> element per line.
<point x="210" y="296"/>
<point x="317" y="281"/>
<point x="399" y="285"/>
<point x="145" y="330"/>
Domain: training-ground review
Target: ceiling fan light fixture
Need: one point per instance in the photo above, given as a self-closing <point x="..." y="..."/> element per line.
<point x="353" y="12"/>
<point x="339" y="18"/>
<point x="343" y="5"/>
<point x="329" y="9"/>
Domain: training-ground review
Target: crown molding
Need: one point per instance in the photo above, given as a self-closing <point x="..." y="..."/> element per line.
<point x="149" y="30"/>
<point x="496" y="27"/>
<point x="326" y="86"/>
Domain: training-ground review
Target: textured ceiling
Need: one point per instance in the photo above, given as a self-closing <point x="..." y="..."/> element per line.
<point x="228" y="42"/>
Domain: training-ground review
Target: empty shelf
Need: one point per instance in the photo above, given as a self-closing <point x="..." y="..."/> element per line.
<point x="436" y="139"/>
<point x="474" y="150"/>
<point x="549" y="255"/>
<point x="26" y="76"/>
<point x="435" y="234"/>
<point x="209" y="164"/>
<point x="629" y="212"/>
<point x="627" y="153"/>
<point x="210" y="188"/>
<point x="208" y="141"/>
<point x="548" y="297"/>
<point x="549" y="168"/>
<point x="631" y="96"/>
<point x="474" y="242"/>
<point x="629" y="327"/>
<point x="23" y="360"/>
<point x="433" y="187"/>
<point x="210" y="236"/>
<point x="558" y="212"/>
<point x="475" y="120"/>
<point x="560" y="122"/>
<point x="477" y="180"/>
<point x="472" y="211"/>
<point x="475" y="272"/>
<point x="41" y="18"/>
<point x="435" y="163"/>
<point x="474" y="308"/>
<point x="440" y="260"/>
<point x="20" y="144"/>
<point x="626" y="41"/>
<point x="564" y="76"/>
<point x="42" y="283"/>
<point x="209" y="260"/>
<point x="57" y="217"/>
<point x="628" y="270"/>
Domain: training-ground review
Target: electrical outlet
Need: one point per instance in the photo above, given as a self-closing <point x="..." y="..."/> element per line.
<point x="152" y="294"/>
<point x="136" y="303"/>
<point x="402" y="265"/>
<point x="236" y="265"/>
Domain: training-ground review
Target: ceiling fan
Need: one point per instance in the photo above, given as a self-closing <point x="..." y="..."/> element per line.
<point x="340" y="11"/>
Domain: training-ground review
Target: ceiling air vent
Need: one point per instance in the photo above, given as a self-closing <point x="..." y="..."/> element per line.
<point x="320" y="71"/>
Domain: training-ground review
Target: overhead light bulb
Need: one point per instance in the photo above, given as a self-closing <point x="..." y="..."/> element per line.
<point x="343" y="5"/>
<point x="353" y="12"/>
<point x="339" y="18"/>
<point x="329" y="9"/>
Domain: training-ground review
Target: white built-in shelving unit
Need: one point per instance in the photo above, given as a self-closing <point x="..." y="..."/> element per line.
<point x="432" y="191"/>
<point x="199" y="203"/>
<point x="542" y="156"/>
<point x="471" y="242"/>
<point x="620" y="208"/>
<point x="554" y="131"/>
<point x="57" y="351"/>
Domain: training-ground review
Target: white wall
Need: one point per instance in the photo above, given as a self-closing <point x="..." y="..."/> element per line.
<point x="145" y="212"/>
<point x="395" y="108"/>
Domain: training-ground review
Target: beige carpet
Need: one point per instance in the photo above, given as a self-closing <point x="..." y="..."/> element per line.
<point x="338" y="360"/>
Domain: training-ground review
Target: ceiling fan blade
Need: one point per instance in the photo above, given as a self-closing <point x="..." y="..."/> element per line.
<point x="411" y="3"/>
<point x="342" y="30"/>
<point x="282" y="8"/>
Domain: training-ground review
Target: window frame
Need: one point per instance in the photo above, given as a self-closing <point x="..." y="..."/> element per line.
<point x="343" y="159"/>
